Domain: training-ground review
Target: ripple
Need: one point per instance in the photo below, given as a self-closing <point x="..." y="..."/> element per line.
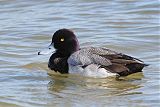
<point x="128" y="26"/>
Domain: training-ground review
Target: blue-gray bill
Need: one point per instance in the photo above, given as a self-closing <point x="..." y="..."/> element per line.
<point x="50" y="49"/>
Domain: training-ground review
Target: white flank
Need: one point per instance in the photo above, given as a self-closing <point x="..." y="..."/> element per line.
<point x="91" y="70"/>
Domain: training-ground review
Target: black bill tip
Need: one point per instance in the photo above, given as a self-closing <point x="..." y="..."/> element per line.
<point x="39" y="53"/>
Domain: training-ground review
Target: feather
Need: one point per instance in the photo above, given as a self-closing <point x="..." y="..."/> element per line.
<point x="110" y="60"/>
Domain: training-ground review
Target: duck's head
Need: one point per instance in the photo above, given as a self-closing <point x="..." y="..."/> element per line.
<point x="64" y="42"/>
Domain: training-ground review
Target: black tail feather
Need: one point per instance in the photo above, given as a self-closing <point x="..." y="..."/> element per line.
<point x="124" y="70"/>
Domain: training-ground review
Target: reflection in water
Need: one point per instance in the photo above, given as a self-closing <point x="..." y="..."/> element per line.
<point x="110" y="85"/>
<point x="128" y="26"/>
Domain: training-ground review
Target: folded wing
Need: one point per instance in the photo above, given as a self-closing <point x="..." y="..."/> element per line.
<point x="110" y="60"/>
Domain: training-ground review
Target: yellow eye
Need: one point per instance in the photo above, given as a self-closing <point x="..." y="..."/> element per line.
<point x="62" y="39"/>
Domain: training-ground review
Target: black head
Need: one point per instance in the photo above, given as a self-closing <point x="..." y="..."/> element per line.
<point x="65" y="42"/>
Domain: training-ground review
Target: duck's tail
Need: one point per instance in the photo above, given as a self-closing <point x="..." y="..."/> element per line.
<point x="124" y="70"/>
<point x="133" y="68"/>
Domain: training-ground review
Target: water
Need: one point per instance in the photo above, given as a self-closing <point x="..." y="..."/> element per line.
<point x="128" y="26"/>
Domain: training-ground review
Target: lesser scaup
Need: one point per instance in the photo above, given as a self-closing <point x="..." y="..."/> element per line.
<point x="90" y="61"/>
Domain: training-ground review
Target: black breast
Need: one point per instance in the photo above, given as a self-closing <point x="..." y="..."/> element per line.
<point x="58" y="63"/>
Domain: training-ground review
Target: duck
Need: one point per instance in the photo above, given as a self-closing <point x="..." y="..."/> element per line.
<point x="100" y="62"/>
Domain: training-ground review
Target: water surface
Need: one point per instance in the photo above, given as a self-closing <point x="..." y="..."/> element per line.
<point x="128" y="26"/>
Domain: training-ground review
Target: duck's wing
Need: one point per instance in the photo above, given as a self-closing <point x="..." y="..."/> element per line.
<point x="91" y="55"/>
<point x="110" y="60"/>
<point x="124" y="64"/>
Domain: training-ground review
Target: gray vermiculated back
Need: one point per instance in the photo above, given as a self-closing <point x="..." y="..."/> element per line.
<point x="90" y="55"/>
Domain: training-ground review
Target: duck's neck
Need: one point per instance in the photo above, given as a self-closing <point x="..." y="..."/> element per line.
<point x="69" y="48"/>
<point x="67" y="51"/>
